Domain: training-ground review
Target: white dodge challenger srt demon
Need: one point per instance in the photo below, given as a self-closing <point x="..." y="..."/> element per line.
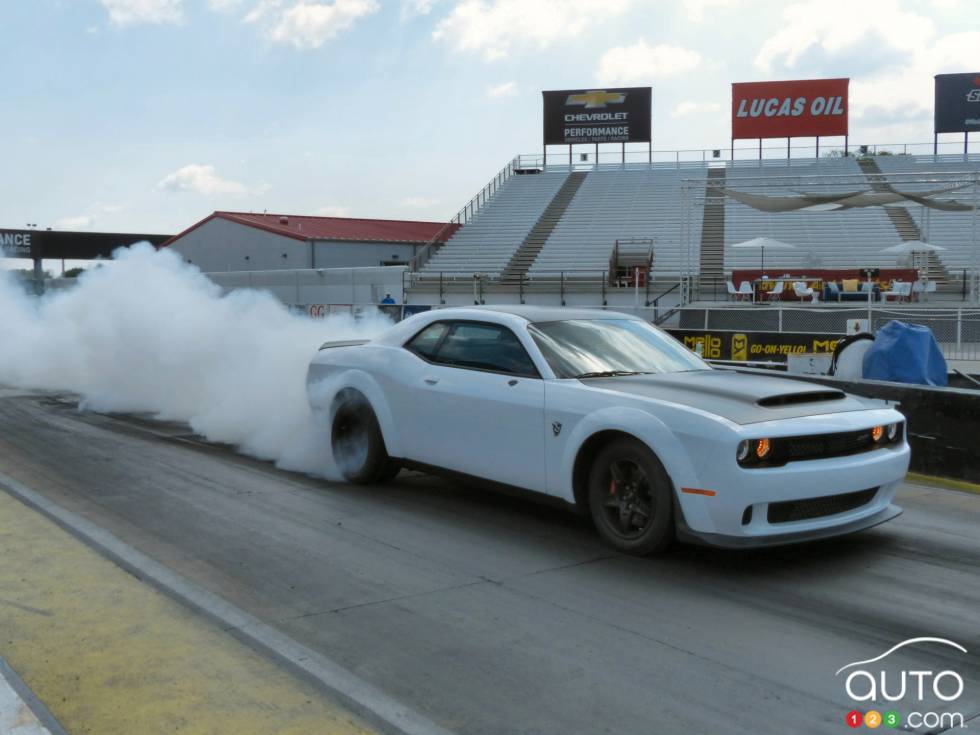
<point x="610" y="414"/>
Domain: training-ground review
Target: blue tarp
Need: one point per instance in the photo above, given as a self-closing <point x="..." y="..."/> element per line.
<point x="905" y="353"/>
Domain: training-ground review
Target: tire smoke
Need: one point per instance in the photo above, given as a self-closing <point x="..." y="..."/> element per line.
<point x="149" y="333"/>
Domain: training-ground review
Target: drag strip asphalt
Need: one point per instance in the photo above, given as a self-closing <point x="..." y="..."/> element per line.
<point x="492" y="614"/>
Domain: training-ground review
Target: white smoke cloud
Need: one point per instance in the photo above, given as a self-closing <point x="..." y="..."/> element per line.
<point x="149" y="333"/>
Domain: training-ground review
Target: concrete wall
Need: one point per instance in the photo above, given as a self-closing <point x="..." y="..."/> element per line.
<point x="221" y="246"/>
<point x="321" y="286"/>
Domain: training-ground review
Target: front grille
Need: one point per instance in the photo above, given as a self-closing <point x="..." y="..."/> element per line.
<point x="802" y="510"/>
<point x="824" y="445"/>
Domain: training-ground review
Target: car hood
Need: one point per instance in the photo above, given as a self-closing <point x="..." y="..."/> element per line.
<point x="739" y="397"/>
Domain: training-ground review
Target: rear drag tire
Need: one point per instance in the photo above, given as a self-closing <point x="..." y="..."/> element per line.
<point x="357" y="443"/>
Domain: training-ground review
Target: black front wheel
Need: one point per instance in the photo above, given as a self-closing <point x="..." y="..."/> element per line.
<point x="630" y="498"/>
<point x="356" y="441"/>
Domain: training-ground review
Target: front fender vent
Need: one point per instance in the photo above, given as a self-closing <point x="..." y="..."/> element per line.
<point x="792" y="399"/>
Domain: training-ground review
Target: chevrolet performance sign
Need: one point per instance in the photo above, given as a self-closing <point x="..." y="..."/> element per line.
<point x="16" y="243"/>
<point x="957" y="103"/>
<point x="620" y="115"/>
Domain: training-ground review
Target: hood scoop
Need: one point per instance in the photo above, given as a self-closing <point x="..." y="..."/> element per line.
<point x="792" y="399"/>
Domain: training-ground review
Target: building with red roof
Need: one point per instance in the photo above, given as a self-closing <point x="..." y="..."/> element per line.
<point x="245" y="241"/>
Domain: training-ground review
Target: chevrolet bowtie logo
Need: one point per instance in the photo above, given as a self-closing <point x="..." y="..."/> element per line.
<point x="596" y="98"/>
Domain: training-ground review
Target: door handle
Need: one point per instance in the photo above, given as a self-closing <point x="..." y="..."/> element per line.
<point x="511" y="382"/>
<point x="431" y="381"/>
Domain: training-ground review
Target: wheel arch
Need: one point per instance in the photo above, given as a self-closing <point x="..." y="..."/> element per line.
<point x="322" y="399"/>
<point x="600" y="427"/>
<point x="583" y="462"/>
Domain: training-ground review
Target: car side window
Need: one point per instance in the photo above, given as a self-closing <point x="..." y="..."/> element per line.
<point x="482" y="346"/>
<point x="424" y="343"/>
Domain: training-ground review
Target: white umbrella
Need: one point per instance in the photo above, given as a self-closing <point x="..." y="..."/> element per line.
<point x="911" y="246"/>
<point x="762" y="243"/>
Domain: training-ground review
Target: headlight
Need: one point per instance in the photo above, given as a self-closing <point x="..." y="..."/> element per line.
<point x="753" y="451"/>
<point x="894" y="431"/>
<point x="877" y="434"/>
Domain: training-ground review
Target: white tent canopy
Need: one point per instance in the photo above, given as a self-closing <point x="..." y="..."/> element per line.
<point x="912" y="246"/>
<point x="764" y="243"/>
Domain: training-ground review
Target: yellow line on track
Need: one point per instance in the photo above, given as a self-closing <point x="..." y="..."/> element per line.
<point x="944" y="482"/>
<point x="109" y="654"/>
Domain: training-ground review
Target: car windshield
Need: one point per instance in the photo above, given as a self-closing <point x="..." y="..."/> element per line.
<point x="577" y="348"/>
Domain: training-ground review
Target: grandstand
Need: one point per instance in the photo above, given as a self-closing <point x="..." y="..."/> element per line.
<point x="488" y="241"/>
<point x="553" y="229"/>
<point x="955" y="231"/>
<point x="614" y="204"/>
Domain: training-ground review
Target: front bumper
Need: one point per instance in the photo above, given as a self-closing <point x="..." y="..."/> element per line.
<point x="684" y="532"/>
<point x="744" y="510"/>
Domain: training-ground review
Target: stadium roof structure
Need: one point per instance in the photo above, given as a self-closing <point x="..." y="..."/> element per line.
<point x="303" y="227"/>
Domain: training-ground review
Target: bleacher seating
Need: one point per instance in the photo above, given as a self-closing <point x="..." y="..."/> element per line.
<point x="951" y="230"/>
<point x="847" y="239"/>
<point x="667" y="205"/>
<point x="486" y="243"/>
<point x="620" y="203"/>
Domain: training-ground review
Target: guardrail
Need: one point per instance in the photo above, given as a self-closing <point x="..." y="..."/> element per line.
<point x="560" y="283"/>
<point x="588" y="156"/>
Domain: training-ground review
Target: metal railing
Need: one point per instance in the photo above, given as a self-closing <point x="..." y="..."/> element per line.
<point x="464" y="215"/>
<point x="589" y="156"/>
<point x="600" y="283"/>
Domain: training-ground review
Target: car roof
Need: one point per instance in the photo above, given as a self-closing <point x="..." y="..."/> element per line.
<point x="544" y="313"/>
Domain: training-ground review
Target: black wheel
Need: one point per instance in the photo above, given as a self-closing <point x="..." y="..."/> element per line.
<point x="631" y="499"/>
<point x="356" y="440"/>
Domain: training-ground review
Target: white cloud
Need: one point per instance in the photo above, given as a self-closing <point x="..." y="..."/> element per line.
<point x="506" y="89"/>
<point x="134" y="12"/>
<point x="415" y="8"/>
<point x="87" y="221"/>
<point x="223" y="5"/>
<point x="493" y="28"/>
<point x="201" y="179"/>
<point x="907" y="92"/>
<point x="695" y="8"/>
<point x="641" y="63"/>
<point x="817" y="24"/>
<point x="688" y="108"/>
<point x="307" y="24"/>
<point x="418" y="202"/>
<point x="900" y="56"/>
<point x="81" y="222"/>
<point x="334" y="210"/>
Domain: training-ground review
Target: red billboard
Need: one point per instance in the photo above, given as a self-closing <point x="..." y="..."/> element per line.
<point x="800" y="108"/>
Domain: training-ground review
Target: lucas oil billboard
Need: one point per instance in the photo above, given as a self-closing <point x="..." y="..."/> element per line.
<point x="800" y="108"/>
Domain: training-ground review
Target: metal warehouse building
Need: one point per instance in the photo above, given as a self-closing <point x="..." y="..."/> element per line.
<point x="242" y="241"/>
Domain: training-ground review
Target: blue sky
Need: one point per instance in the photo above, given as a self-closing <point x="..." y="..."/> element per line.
<point x="146" y="115"/>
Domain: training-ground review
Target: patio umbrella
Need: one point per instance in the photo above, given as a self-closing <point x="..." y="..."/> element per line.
<point x="909" y="247"/>
<point x="763" y="243"/>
